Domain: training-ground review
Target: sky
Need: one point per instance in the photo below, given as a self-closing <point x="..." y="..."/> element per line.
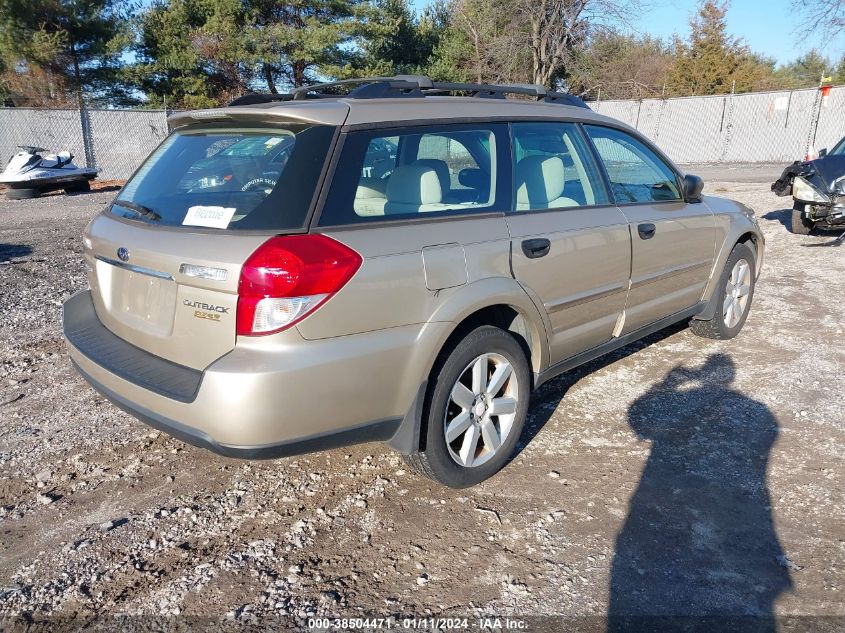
<point x="766" y="26"/>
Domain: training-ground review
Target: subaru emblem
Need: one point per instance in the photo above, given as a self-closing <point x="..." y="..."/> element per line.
<point x="123" y="254"/>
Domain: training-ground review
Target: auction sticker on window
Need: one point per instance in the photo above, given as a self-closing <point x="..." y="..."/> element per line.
<point x="212" y="217"/>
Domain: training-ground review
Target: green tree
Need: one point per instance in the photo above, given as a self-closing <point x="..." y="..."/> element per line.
<point x="401" y="42"/>
<point x="55" y="50"/>
<point x="805" y="71"/>
<point x="488" y="42"/>
<point x="200" y="53"/>
<point x="302" y="41"/>
<point x="712" y="60"/>
<point x="839" y="75"/>
<point x="182" y="52"/>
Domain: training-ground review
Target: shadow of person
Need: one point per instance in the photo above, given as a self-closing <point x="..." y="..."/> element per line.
<point x="698" y="549"/>
<point x="8" y="252"/>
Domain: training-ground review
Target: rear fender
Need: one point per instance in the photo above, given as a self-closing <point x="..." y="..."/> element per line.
<point x="461" y="305"/>
<point x="491" y="292"/>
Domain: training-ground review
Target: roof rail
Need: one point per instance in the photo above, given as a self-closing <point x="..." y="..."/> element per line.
<point x="411" y="86"/>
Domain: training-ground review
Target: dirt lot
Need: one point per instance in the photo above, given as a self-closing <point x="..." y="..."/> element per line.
<point x="679" y="476"/>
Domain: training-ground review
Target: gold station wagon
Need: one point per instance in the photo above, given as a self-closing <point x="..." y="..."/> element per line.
<point x="404" y="262"/>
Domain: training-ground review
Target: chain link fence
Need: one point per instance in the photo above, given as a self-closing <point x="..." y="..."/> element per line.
<point x="113" y="141"/>
<point x="761" y="127"/>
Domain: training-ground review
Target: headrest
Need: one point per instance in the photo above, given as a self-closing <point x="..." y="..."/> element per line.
<point x="473" y="178"/>
<point x="440" y="167"/>
<point x="414" y="184"/>
<point x="539" y="180"/>
<point x="370" y="188"/>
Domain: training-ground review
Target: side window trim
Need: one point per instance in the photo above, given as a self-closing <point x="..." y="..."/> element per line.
<point x="649" y="145"/>
<point x="503" y="177"/>
<point x="604" y="181"/>
<point x="605" y="177"/>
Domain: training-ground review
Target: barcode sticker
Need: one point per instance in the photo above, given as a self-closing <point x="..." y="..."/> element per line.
<point x="212" y="217"/>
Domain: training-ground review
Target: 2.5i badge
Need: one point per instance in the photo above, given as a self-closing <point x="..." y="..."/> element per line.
<point x="206" y="311"/>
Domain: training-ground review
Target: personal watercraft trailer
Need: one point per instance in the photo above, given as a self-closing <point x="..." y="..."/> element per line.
<point x="29" y="174"/>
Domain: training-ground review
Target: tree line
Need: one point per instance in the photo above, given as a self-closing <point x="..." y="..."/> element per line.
<point x="201" y="53"/>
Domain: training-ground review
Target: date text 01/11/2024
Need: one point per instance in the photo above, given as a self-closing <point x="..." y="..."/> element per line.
<point x="417" y="624"/>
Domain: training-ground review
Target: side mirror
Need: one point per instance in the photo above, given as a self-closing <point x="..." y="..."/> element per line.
<point x="822" y="152"/>
<point x="692" y="188"/>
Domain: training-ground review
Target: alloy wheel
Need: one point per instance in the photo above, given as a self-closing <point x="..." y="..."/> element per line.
<point x="481" y="410"/>
<point x="737" y="293"/>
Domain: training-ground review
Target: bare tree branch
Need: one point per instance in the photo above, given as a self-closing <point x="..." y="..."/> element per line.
<point x="825" y="17"/>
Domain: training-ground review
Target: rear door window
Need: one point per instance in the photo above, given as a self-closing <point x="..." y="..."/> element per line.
<point x="416" y="172"/>
<point x="553" y="168"/>
<point x="229" y="178"/>
<point x="636" y="173"/>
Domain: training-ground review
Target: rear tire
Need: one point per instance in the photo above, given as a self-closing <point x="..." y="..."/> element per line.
<point x="800" y="225"/>
<point x="22" y="194"/>
<point x="733" y="296"/>
<point x="477" y="395"/>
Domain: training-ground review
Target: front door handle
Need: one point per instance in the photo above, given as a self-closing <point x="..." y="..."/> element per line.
<point x="537" y="247"/>
<point x="646" y="231"/>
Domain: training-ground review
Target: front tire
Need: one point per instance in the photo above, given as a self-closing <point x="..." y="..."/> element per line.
<point x="475" y="408"/>
<point x="732" y="295"/>
<point x="800" y="225"/>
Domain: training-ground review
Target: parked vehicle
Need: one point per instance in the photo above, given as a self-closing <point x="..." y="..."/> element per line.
<point x="29" y="174"/>
<point x="412" y="269"/>
<point x="818" y="190"/>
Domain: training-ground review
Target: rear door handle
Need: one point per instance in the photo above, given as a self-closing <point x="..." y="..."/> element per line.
<point x="537" y="247"/>
<point x="646" y="231"/>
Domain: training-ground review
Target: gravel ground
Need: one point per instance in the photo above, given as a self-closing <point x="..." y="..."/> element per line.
<point x="678" y="476"/>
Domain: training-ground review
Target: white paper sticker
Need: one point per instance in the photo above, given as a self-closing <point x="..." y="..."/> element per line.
<point x="212" y="217"/>
<point x="272" y="141"/>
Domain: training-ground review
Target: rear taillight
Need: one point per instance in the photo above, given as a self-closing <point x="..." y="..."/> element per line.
<point x="289" y="277"/>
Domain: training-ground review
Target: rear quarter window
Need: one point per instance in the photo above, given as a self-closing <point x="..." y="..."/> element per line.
<point x="234" y="178"/>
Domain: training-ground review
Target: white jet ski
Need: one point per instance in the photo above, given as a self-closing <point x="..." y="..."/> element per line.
<point x="29" y="174"/>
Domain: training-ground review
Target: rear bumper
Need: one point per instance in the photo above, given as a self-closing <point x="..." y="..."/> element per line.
<point x="266" y="398"/>
<point x="372" y="432"/>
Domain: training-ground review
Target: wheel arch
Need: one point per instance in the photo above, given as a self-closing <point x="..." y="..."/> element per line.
<point x="496" y="301"/>
<point x="754" y="240"/>
<point x="740" y="235"/>
<point x="500" y="302"/>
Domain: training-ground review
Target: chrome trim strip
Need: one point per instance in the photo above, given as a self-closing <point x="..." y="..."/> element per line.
<point x="135" y="269"/>
<point x="584" y="297"/>
<point x="666" y="274"/>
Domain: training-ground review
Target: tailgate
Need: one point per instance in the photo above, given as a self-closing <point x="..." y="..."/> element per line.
<point x="170" y="292"/>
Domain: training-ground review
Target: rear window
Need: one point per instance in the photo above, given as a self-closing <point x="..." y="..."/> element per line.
<point x="229" y="178"/>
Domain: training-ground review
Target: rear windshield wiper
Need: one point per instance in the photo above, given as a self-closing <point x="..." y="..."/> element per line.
<point x="140" y="209"/>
